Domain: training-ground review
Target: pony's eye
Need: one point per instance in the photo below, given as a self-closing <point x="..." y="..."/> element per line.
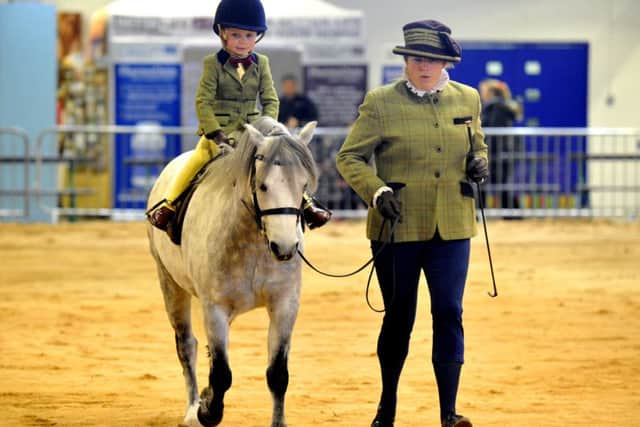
<point x="263" y="187"/>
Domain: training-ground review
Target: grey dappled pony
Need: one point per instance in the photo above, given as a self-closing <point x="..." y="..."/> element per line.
<point x="238" y="252"/>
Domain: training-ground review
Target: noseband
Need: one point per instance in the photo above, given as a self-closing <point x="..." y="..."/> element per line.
<point x="259" y="213"/>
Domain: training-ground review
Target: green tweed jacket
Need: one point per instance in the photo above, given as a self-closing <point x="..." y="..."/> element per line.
<point x="423" y="143"/>
<point x="224" y="101"/>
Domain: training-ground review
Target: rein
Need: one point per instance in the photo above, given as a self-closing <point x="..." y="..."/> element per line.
<point x="259" y="213"/>
<point x="370" y="261"/>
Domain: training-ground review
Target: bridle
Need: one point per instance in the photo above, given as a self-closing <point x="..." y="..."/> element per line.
<point x="259" y="213"/>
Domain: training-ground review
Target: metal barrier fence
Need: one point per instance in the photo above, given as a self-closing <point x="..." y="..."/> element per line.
<point x="91" y="174"/>
<point x="14" y="173"/>
<point x="536" y="172"/>
<point x="558" y="172"/>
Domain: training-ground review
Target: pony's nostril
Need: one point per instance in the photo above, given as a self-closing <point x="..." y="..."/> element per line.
<point x="274" y="248"/>
<point x="283" y="254"/>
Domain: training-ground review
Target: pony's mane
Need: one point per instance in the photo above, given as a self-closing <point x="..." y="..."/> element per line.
<point x="283" y="150"/>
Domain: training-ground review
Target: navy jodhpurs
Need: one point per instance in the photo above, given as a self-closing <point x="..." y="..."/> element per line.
<point x="398" y="266"/>
<point x="445" y="265"/>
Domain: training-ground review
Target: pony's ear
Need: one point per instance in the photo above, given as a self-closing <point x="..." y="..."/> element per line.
<point x="254" y="135"/>
<point x="306" y="133"/>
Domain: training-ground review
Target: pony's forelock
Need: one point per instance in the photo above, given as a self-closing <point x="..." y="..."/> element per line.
<point x="285" y="151"/>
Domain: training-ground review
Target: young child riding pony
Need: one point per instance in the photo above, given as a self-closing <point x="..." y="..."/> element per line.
<point x="232" y="80"/>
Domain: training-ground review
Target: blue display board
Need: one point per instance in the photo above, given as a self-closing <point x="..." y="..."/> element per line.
<point x="146" y="95"/>
<point x="391" y="73"/>
<point x="550" y="80"/>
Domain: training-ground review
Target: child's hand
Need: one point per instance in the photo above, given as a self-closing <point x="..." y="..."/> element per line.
<point x="218" y="136"/>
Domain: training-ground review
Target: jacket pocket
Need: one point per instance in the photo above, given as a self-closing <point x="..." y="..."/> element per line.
<point x="223" y="119"/>
<point x="461" y="120"/>
<point x="466" y="189"/>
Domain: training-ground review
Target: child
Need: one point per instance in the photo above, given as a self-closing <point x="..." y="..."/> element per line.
<point x="231" y="82"/>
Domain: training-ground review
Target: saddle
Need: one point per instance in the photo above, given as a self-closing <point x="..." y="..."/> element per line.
<point x="174" y="227"/>
<point x="181" y="204"/>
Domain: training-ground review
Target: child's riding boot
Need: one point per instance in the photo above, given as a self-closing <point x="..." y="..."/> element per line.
<point x="161" y="217"/>
<point x="314" y="215"/>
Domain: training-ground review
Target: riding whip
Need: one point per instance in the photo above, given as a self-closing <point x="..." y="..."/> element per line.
<point x="484" y="221"/>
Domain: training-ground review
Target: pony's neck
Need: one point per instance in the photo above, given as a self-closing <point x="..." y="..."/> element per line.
<point x="240" y="230"/>
<point x="234" y="209"/>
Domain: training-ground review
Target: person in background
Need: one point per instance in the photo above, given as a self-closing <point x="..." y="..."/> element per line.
<point x="232" y="80"/>
<point x="418" y="130"/>
<point x="500" y="110"/>
<point x="296" y="109"/>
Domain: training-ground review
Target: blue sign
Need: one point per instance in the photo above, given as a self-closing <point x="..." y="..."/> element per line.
<point x="147" y="96"/>
<point x="550" y="80"/>
<point x="391" y="73"/>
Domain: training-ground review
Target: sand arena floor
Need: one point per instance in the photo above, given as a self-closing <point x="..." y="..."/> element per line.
<point x="85" y="340"/>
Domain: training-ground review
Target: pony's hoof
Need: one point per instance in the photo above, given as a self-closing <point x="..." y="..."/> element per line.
<point x="279" y="424"/>
<point x="210" y="419"/>
<point x="211" y="409"/>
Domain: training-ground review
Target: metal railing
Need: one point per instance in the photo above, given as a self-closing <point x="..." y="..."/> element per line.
<point x="558" y="172"/>
<point x="151" y="166"/>
<point x="14" y="173"/>
<point x="536" y="172"/>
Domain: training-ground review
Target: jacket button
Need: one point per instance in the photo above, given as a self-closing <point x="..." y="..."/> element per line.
<point x="435" y="125"/>
<point x="435" y="100"/>
<point x="438" y="149"/>
<point x="437" y="174"/>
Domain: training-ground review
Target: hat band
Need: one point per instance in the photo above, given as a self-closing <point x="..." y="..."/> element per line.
<point x="428" y="49"/>
<point x="421" y="36"/>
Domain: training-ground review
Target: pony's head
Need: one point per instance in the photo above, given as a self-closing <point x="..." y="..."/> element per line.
<point x="282" y="168"/>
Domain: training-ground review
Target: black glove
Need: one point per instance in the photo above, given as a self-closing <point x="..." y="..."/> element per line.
<point x="218" y="136"/>
<point x="388" y="205"/>
<point x="478" y="169"/>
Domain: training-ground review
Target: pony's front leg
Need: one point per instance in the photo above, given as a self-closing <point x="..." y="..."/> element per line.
<point x="212" y="397"/>
<point x="282" y="316"/>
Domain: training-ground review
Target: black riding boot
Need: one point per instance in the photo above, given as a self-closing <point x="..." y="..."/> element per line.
<point x="448" y="378"/>
<point x="382" y="419"/>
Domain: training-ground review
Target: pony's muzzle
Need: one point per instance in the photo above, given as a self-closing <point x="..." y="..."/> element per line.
<point x="283" y="254"/>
